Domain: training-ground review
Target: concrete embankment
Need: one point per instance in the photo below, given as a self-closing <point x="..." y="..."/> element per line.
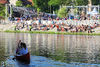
<point x="10" y="26"/>
<point x="4" y="27"/>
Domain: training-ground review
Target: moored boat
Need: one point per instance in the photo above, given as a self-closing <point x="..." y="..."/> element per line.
<point x="24" y="58"/>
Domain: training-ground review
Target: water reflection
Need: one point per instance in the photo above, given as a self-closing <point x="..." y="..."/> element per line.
<point x="63" y="48"/>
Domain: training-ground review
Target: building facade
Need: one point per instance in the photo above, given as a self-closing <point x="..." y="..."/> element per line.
<point x="12" y="2"/>
<point x="3" y="1"/>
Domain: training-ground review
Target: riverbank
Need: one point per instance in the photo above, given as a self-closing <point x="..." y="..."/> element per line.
<point x="10" y="28"/>
<point x="51" y="32"/>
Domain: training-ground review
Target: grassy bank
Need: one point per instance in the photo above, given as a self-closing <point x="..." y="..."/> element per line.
<point x="50" y="32"/>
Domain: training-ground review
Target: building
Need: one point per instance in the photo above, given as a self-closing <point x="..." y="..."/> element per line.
<point x="12" y="2"/>
<point x="30" y="1"/>
<point x="4" y="1"/>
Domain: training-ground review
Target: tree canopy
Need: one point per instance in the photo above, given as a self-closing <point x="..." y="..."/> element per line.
<point x="62" y="12"/>
<point x="18" y="3"/>
<point x="95" y="2"/>
<point x="42" y="5"/>
<point x="47" y="5"/>
<point x="2" y="10"/>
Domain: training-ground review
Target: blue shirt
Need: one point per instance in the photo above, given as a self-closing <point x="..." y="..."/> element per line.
<point x="23" y="51"/>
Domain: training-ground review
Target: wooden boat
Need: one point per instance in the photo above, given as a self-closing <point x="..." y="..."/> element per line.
<point x="24" y="58"/>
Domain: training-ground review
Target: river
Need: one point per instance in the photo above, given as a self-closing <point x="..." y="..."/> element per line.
<point x="52" y="50"/>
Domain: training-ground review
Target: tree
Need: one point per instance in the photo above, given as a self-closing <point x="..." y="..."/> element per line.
<point x="50" y="5"/>
<point x="81" y="2"/>
<point x="86" y="2"/>
<point x="62" y="12"/>
<point x="42" y="5"/>
<point x="2" y="10"/>
<point x="18" y="3"/>
<point x="28" y="5"/>
<point x="54" y="2"/>
<point x="59" y="2"/>
<point x="95" y="2"/>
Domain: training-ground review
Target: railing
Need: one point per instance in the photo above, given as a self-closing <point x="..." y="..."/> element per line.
<point x="73" y="22"/>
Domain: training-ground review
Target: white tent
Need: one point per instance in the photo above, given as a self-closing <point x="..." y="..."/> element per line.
<point x="94" y="12"/>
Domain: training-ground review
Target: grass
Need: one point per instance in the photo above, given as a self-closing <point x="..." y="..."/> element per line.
<point x="50" y="32"/>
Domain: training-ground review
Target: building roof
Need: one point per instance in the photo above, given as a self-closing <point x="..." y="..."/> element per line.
<point x="3" y="1"/>
<point x="30" y="0"/>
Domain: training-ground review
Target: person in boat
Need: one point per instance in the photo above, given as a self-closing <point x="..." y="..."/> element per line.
<point x="18" y="47"/>
<point x="21" y="49"/>
<point x="23" y="54"/>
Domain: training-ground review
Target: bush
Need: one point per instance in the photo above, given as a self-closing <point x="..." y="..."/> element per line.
<point x="62" y="12"/>
<point x="2" y="11"/>
<point x="18" y="3"/>
<point x="29" y="6"/>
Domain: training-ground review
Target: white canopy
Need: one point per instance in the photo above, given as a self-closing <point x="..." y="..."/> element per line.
<point x="94" y="12"/>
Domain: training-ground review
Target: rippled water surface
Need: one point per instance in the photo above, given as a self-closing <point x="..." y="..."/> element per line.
<point x="51" y="50"/>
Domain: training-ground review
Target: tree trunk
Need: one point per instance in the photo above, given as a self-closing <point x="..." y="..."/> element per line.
<point x="89" y="4"/>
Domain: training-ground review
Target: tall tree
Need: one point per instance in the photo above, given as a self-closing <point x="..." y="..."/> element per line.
<point x="42" y="5"/>
<point x="59" y="2"/>
<point x="18" y="3"/>
<point x="55" y="4"/>
<point x="95" y="2"/>
<point x="81" y="2"/>
<point x="62" y="12"/>
<point x="50" y="5"/>
<point x="2" y="10"/>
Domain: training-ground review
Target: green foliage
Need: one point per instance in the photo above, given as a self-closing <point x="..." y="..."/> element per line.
<point x="54" y="2"/>
<point x="35" y="3"/>
<point x="51" y="32"/>
<point x="42" y="5"/>
<point x="18" y="3"/>
<point x="29" y="6"/>
<point x="50" y="5"/>
<point x="95" y="2"/>
<point x="81" y="2"/>
<point x="62" y="12"/>
<point x="85" y="2"/>
<point x="38" y="10"/>
<point x="75" y="11"/>
<point x="2" y="10"/>
<point x="59" y="2"/>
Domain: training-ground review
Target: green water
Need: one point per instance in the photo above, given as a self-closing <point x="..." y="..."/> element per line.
<point x="63" y="48"/>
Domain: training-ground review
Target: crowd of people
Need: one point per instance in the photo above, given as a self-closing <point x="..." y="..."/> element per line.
<point x="34" y="22"/>
<point x="34" y="25"/>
